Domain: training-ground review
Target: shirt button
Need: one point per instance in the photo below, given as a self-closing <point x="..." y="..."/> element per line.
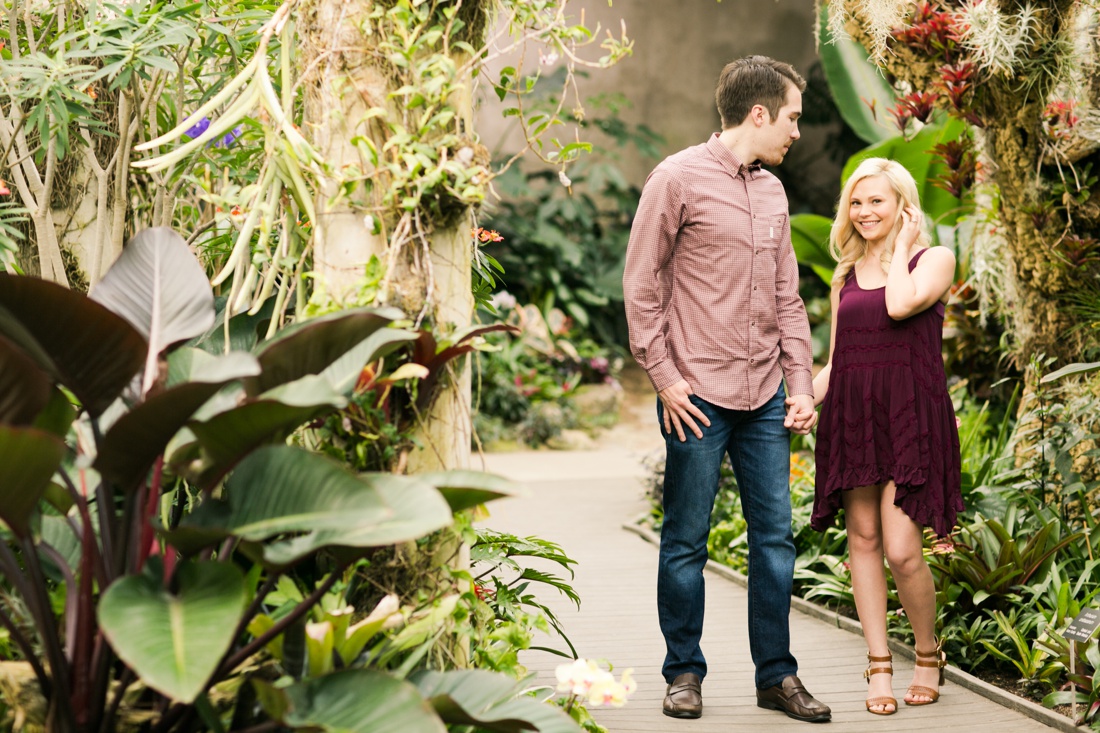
<point x="752" y="361"/>
<point x="754" y="287"/>
<point x="753" y="323"/>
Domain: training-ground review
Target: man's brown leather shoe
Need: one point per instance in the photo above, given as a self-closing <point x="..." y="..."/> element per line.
<point x="684" y="697"/>
<point x="793" y="699"/>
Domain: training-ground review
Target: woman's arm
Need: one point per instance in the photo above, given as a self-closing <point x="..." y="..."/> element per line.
<point x="909" y="293"/>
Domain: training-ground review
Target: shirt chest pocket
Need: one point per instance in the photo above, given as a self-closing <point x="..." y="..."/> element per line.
<point x="769" y="231"/>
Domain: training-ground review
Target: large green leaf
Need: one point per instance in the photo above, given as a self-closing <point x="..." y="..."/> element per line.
<point x="28" y="459"/>
<point x="491" y="702"/>
<point x="82" y="344"/>
<point x="138" y="437"/>
<point x="159" y="286"/>
<point x="343" y="374"/>
<point x="810" y="239"/>
<point x="355" y="701"/>
<point x="228" y="436"/>
<point x="244" y="329"/>
<point x="311" y="347"/>
<point x="24" y="386"/>
<point x="417" y="509"/>
<point x="174" y="641"/>
<point x="59" y="535"/>
<point x="466" y="489"/>
<point x="852" y="79"/>
<point x="916" y="156"/>
<point x="280" y="489"/>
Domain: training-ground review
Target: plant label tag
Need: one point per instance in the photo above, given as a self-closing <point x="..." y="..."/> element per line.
<point x="771" y="232"/>
<point x="1084" y="626"/>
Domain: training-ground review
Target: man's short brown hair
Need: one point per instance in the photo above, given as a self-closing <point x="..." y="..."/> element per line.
<point x="750" y="81"/>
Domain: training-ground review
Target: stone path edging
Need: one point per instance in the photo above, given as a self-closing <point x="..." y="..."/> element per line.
<point x="954" y="674"/>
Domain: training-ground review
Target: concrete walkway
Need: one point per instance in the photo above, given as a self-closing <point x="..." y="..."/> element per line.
<point x="581" y="501"/>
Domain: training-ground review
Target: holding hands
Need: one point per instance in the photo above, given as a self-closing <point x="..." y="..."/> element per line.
<point x="801" y="415"/>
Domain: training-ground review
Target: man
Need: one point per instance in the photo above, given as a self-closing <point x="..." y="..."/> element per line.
<point x="715" y="319"/>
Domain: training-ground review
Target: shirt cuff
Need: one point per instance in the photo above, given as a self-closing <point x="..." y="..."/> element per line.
<point x="664" y="375"/>
<point x="800" y="382"/>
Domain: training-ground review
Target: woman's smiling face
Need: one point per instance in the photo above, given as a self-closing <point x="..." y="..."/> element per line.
<point x="873" y="208"/>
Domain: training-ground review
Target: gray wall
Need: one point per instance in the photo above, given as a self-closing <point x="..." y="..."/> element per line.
<point x="680" y="46"/>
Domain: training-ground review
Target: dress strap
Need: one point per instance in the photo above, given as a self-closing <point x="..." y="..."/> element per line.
<point x="915" y="258"/>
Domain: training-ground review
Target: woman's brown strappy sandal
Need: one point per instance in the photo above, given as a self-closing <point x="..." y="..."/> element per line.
<point x="936" y="658"/>
<point x="880" y="665"/>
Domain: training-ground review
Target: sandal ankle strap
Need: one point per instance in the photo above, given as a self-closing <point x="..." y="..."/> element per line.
<point x="940" y="663"/>
<point x="887" y="658"/>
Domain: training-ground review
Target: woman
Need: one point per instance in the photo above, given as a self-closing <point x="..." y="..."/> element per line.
<point x="887" y="445"/>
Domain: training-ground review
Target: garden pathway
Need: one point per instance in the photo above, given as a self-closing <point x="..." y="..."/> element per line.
<point x="583" y="500"/>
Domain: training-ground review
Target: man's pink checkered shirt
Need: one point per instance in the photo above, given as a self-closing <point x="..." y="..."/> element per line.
<point x="711" y="281"/>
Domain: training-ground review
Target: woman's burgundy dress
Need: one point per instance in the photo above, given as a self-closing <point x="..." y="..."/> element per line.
<point x="887" y="414"/>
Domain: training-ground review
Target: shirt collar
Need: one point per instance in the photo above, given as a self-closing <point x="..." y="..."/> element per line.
<point x="730" y="161"/>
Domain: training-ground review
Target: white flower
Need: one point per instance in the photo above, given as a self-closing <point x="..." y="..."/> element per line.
<point x="564" y="179"/>
<point x="585" y="679"/>
<point x="503" y="300"/>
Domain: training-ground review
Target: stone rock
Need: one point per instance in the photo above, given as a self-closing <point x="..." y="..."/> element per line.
<point x="596" y="400"/>
<point x="571" y="440"/>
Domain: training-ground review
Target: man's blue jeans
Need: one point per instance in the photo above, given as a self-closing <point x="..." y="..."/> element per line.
<point x="759" y="449"/>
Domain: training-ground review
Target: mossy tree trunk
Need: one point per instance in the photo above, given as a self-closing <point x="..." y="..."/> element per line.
<point x="1041" y="228"/>
<point x="350" y="96"/>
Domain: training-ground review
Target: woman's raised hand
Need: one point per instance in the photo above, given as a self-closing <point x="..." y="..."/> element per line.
<point x="911" y="218"/>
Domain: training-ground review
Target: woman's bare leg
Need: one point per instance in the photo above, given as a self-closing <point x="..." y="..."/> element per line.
<point x="865" y="550"/>
<point x="904" y="547"/>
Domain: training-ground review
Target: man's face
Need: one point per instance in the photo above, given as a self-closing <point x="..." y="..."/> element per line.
<point x="777" y="136"/>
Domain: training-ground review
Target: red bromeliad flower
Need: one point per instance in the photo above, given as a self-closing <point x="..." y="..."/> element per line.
<point x="1059" y="119"/>
<point x="1080" y="251"/>
<point x="916" y="105"/>
<point x="932" y="31"/>
<point x="958" y="84"/>
<point x="901" y="114"/>
<point x="962" y="165"/>
<point x="921" y="103"/>
<point x="1041" y="213"/>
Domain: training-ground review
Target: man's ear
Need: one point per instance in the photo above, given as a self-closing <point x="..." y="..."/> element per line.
<point x="759" y="115"/>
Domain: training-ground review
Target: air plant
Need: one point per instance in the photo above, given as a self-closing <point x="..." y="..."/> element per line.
<point x="998" y="42"/>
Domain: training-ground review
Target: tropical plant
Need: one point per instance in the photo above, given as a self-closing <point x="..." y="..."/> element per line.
<point x="174" y="514"/>
<point x="1015" y="75"/>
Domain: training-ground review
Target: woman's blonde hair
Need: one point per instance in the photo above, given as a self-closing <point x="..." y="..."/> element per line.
<point x="846" y="244"/>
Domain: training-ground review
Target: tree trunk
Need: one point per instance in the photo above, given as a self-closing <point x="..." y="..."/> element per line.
<point x="428" y="270"/>
<point x="343" y="87"/>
